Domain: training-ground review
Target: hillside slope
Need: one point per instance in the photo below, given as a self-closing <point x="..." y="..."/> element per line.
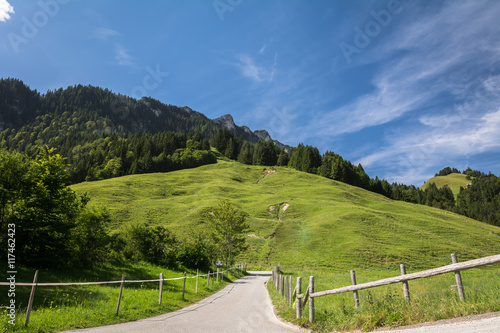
<point x="296" y="218"/>
<point x="453" y="180"/>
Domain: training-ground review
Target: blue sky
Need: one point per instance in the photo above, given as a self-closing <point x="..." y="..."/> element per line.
<point x="403" y="87"/>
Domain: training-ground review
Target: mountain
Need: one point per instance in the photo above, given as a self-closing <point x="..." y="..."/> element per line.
<point x="103" y="134"/>
<point x="20" y="106"/>
<point x="227" y="121"/>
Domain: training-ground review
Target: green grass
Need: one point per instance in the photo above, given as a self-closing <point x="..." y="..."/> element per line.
<point x="327" y="229"/>
<point x="72" y="307"/>
<point x="327" y="225"/>
<point x="453" y="180"/>
<point x="431" y="299"/>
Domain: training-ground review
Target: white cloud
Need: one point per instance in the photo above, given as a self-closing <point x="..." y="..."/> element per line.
<point x="409" y="156"/>
<point x="249" y="69"/>
<point x="437" y="72"/>
<point x="5" y="10"/>
<point x="122" y="56"/>
<point x="264" y="47"/>
<point x="439" y="52"/>
<point x="257" y="73"/>
<point x="105" y="33"/>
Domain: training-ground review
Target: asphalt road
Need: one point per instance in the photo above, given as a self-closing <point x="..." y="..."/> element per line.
<point x="487" y="323"/>
<point x="243" y="306"/>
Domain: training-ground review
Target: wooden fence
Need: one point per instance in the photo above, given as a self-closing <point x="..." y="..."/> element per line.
<point x="216" y="275"/>
<point x="283" y="283"/>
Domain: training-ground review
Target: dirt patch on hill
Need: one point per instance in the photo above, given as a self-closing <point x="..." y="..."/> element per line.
<point x="266" y="173"/>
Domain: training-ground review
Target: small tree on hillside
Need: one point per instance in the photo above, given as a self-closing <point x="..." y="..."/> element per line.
<point x="228" y="227"/>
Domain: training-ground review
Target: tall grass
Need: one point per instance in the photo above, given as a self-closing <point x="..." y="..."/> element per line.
<point x="431" y="299"/>
<point x="61" y="308"/>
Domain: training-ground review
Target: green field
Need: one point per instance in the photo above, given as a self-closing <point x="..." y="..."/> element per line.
<point x="61" y="308"/>
<point x="310" y="224"/>
<point x="453" y="180"/>
<point x="326" y="225"/>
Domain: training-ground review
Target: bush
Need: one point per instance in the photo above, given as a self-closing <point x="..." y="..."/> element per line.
<point x="156" y="245"/>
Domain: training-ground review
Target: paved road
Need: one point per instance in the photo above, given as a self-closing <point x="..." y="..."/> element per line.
<point x="243" y="306"/>
<point x="488" y="323"/>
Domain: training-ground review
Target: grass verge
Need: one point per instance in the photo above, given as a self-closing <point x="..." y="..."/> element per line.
<point x="74" y="307"/>
<point x="432" y="299"/>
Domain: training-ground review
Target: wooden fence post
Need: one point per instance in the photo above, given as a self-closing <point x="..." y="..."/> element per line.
<point x="32" y="296"/>
<point x="184" y="286"/>
<point x="217" y="274"/>
<point x="311" y="299"/>
<point x="286" y="288"/>
<point x="299" y="300"/>
<point x="290" y="290"/>
<point x="355" y="292"/>
<point x="120" y="295"/>
<point x="197" y="277"/>
<point x="161" y="288"/>
<point x="458" y="278"/>
<point x="282" y="289"/>
<point x="208" y="279"/>
<point x="406" y="289"/>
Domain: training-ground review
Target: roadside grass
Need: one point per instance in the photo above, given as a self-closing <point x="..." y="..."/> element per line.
<point x="61" y="308"/>
<point x="432" y="299"/>
<point x="453" y="180"/>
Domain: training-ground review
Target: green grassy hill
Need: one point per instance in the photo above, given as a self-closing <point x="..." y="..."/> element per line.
<point x="453" y="180"/>
<point x="298" y="219"/>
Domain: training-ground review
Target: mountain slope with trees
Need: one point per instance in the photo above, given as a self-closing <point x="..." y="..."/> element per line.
<point x="104" y="135"/>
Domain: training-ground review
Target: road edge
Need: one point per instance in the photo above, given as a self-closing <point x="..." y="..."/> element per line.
<point x="441" y="322"/>
<point x="282" y="321"/>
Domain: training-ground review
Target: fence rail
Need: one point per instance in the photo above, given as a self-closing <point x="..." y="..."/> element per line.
<point x="310" y="294"/>
<point x="215" y="276"/>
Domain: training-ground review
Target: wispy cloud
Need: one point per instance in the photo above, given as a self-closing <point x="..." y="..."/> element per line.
<point x="257" y="73"/>
<point x="264" y="47"/>
<point x="467" y="128"/>
<point x="441" y="57"/>
<point x="5" y="10"/>
<point x="122" y="56"/>
<point x="105" y="33"/>
<point x="411" y="157"/>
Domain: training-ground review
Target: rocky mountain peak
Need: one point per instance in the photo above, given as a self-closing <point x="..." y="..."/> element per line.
<point x="263" y="135"/>
<point x="225" y="121"/>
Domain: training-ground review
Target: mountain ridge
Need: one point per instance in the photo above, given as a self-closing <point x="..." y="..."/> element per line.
<point x="21" y="105"/>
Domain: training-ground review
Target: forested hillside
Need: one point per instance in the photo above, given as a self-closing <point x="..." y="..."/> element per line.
<point x="103" y="135"/>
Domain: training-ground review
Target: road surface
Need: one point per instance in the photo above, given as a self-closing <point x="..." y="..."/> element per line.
<point x="243" y="306"/>
<point x="487" y="323"/>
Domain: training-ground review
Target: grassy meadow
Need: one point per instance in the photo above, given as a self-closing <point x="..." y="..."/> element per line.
<point x="453" y="180"/>
<point x="298" y="219"/>
<point x="310" y="224"/>
<point x="60" y="308"/>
